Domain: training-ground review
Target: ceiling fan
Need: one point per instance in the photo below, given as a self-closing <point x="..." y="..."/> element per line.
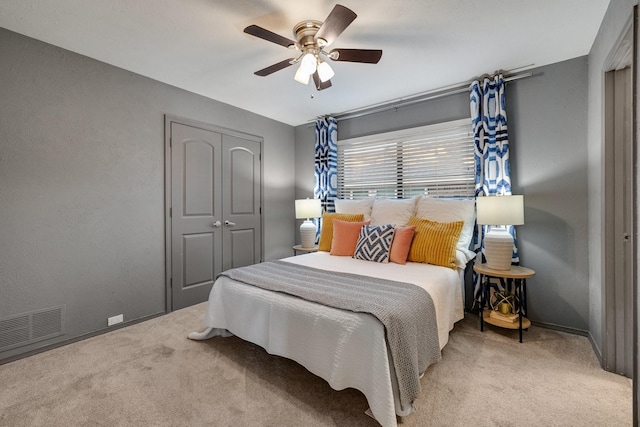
<point x="312" y="38"/>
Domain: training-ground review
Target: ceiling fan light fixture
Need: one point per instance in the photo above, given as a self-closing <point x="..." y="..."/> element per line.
<point x="325" y="71"/>
<point x="309" y="63"/>
<point x="311" y="39"/>
<point x="302" y="76"/>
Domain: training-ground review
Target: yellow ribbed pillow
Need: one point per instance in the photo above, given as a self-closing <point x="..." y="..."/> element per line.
<point x="326" y="233"/>
<point x="435" y="242"/>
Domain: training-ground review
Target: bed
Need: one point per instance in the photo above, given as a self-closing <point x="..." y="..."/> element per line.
<point x="345" y="348"/>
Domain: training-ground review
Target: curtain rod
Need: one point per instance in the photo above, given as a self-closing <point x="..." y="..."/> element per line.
<point x="414" y="99"/>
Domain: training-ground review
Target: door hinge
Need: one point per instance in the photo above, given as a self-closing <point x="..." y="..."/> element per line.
<point x="171" y="282"/>
<point x="170" y="212"/>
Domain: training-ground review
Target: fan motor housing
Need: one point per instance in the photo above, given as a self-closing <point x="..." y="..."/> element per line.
<point x="305" y="33"/>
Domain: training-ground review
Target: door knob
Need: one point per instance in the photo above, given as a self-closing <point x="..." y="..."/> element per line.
<point x="229" y="223"/>
<point x="216" y="224"/>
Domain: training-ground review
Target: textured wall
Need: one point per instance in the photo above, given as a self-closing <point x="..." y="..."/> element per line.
<point x="437" y="110"/>
<point x="82" y="183"/>
<point x="547" y="134"/>
<point x="547" y="116"/>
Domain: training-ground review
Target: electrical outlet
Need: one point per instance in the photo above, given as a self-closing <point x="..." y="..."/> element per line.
<point x="115" y="320"/>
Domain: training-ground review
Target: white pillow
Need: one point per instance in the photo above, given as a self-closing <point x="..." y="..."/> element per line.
<point x="393" y="211"/>
<point x="348" y="206"/>
<point x="447" y="210"/>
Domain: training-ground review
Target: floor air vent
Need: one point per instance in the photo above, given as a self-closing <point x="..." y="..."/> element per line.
<point x="28" y="328"/>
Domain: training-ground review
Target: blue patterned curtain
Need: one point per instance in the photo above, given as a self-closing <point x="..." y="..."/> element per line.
<point x="326" y="166"/>
<point x="489" y="125"/>
<point x="326" y="163"/>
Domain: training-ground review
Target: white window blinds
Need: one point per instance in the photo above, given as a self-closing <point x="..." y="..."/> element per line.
<point x="435" y="160"/>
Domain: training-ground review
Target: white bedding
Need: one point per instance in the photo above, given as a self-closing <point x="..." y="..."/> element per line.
<point x="346" y="349"/>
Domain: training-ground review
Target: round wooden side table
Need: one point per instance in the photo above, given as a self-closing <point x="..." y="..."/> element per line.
<point x="516" y="276"/>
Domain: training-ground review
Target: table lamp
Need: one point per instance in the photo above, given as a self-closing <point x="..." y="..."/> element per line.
<point x="498" y="212"/>
<point x="307" y="209"/>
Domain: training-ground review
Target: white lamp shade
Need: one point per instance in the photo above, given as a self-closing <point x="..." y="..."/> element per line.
<point x="500" y="210"/>
<point x="308" y="208"/>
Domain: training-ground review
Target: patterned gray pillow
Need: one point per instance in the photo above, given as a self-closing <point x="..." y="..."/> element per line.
<point x="374" y="243"/>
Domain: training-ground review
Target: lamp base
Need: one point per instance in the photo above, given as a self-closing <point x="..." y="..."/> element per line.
<point x="308" y="234"/>
<point x="498" y="249"/>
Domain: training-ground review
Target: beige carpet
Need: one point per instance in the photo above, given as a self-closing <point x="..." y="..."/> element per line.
<point x="150" y="374"/>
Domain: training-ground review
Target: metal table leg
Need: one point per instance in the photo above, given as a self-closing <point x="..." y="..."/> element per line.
<point x="482" y="302"/>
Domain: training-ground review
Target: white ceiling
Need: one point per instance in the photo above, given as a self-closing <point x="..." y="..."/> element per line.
<point x="199" y="45"/>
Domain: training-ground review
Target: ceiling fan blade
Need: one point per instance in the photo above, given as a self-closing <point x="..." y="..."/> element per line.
<point x="320" y="85"/>
<point x="339" y="19"/>
<point x="275" y="67"/>
<point x="267" y="35"/>
<point x="369" y="56"/>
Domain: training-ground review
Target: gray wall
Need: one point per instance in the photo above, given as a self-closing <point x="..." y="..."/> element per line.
<point x="437" y="110"/>
<point x="547" y="129"/>
<point x="82" y="184"/>
<point x="547" y="116"/>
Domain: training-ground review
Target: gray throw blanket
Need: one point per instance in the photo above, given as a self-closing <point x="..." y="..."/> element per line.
<point x="406" y="310"/>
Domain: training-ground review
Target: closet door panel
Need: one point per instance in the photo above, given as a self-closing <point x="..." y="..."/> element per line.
<point x="196" y="206"/>
<point x="241" y="201"/>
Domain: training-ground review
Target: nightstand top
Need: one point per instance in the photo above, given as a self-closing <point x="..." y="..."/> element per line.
<point x="300" y="248"/>
<point x="515" y="272"/>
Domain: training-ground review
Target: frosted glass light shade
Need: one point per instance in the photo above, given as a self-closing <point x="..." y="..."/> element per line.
<point x="500" y="210"/>
<point x="301" y="76"/>
<point x="325" y="72"/>
<point x="308" y="63"/>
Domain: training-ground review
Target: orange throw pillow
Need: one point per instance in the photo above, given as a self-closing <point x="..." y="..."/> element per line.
<point x="345" y="237"/>
<point x="401" y="244"/>
<point x="326" y="232"/>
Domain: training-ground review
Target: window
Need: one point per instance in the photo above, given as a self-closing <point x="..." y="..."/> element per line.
<point x="435" y="160"/>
